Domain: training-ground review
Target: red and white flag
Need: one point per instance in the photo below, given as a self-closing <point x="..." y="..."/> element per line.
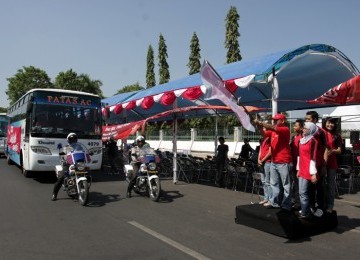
<point x="345" y="93"/>
<point x="216" y="90"/>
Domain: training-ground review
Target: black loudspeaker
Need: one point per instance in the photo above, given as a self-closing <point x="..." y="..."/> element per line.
<point x="354" y="137"/>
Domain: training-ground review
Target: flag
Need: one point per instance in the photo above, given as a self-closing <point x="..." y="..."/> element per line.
<point x="216" y="90"/>
<point x="345" y="93"/>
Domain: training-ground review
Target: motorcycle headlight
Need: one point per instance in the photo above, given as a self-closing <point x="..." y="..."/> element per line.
<point x="152" y="166"/>
<point x="80" y="166"/>
<point x="143" y="167"/>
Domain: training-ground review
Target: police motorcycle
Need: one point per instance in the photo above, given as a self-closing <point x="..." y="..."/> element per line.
<point x="147" y="178"/>
<point x="73" y="165"/>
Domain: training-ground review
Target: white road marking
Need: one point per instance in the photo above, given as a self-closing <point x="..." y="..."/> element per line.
<point x="169" y="241"/>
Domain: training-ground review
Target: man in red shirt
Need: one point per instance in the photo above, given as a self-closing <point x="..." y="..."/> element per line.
<point x="281" y="162"/>
<point x="317" y="191"/>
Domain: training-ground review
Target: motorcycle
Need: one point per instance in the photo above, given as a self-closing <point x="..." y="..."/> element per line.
<point x="73" y="165"/>
<point x="147" y="178"/>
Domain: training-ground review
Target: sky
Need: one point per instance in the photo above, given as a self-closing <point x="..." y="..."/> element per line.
<point x="109" y="39"/>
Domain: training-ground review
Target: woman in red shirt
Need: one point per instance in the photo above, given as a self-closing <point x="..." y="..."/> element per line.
<point x="306" y="166"/>
<point x="334" y="143"/>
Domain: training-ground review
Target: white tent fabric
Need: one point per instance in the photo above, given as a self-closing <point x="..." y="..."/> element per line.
<point x="350" y="117"/>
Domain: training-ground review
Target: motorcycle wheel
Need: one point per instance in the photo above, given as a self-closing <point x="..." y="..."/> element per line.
<point x="83" y="193"/>
<point x="155" y="189"/>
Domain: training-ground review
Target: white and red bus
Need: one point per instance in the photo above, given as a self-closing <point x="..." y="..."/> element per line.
<point x="3" y="132"/>
<point x="40" y="121"/>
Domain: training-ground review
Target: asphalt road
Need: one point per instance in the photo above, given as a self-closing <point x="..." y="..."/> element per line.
<point x="191" y="221"/>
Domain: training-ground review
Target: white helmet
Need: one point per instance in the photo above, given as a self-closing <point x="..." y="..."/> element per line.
<point x="140" y="138"/>
<point x="72" y="138"/>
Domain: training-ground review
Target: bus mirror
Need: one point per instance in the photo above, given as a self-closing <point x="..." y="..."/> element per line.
<point x="29" y="107"/>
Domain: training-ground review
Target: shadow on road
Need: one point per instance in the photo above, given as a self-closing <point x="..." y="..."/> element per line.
<point x="169" y="196"/>
<point x="347" y="224"/>
<point x="98" y="199"/>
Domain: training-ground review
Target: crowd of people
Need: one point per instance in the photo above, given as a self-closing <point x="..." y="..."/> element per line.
<point x="299" y="172"/>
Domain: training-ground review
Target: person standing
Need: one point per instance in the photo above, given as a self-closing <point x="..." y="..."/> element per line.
<point x="264" y="161"/>
<point x="294" y="145"/>
<point x="112" y="154"/>
<point x="334" y="143"/>
<point x="306" y="167"/>
<point x="221" y="157"/>
<point x="246" y="150"/>
<point x="281" y="162"/>
<point x="317" y="192"/>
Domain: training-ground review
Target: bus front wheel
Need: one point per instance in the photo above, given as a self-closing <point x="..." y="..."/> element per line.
<point x="26" y="173"/>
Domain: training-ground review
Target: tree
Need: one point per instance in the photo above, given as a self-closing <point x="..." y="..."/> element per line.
<point x="72" y="81"/>
<point x="130" y="88"/>
<point x="232" y="35"/>
<point x="90" y="86"/>
<point x="194" y="58"/>
<point x="26" y="79"/>
<point x="150" y="74"/>
<point x="164" y="74"/>
<point x="3" y="109"/>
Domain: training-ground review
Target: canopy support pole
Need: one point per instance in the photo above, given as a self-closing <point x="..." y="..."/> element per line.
<point x="275" y="93"/>
<point x="175" y="165"/>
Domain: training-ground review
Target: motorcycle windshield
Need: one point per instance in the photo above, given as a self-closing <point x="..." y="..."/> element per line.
<point x="76" y="156"/>
<point x="147" y="155"/>
<point x="149" y="158"/>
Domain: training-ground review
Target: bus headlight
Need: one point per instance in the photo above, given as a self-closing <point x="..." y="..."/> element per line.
<point x="40" y="150"/>
<point x="95" y="150"/>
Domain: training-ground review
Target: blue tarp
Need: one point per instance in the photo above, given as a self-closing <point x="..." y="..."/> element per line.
<point x="303" y="73"/>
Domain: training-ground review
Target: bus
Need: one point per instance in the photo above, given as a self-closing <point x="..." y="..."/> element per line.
<point x="3" y="132"/>
<point x="40" y="121"/>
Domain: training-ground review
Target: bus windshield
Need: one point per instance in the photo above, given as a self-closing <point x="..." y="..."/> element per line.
<point x="3" y="125"/>
<point x="49" y="120"/>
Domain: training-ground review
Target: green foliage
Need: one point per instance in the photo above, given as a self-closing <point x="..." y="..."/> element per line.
<point x="232" y="35"/>
<point x="130" y="88"/>
<point x="150" y="67"/>
<point x="72" y="81"/>
<point x="164" y="74"/>
<point x="3" y="109"/>
<point x="26" y="79"/>
<point x="194" y="58"/>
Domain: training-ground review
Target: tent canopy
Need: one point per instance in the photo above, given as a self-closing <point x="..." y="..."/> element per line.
<point x="302" y="73"/>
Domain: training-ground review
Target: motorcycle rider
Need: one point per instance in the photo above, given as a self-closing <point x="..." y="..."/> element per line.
<point x="72" y="145"/>
<point x="135" y="153"/>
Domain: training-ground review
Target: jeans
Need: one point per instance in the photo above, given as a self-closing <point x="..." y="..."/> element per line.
<point x="317" y="191"/>
<point x="331" y="186"/>
<point x="265" y="180"/>
<point x="304" y="186"/>
<point x="280" y="185"/>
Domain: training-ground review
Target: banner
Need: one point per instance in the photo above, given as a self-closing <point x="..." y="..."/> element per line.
<point x="13" y="138"/>
<point x="345" y="93"/>
<point x="216" y="90"/>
